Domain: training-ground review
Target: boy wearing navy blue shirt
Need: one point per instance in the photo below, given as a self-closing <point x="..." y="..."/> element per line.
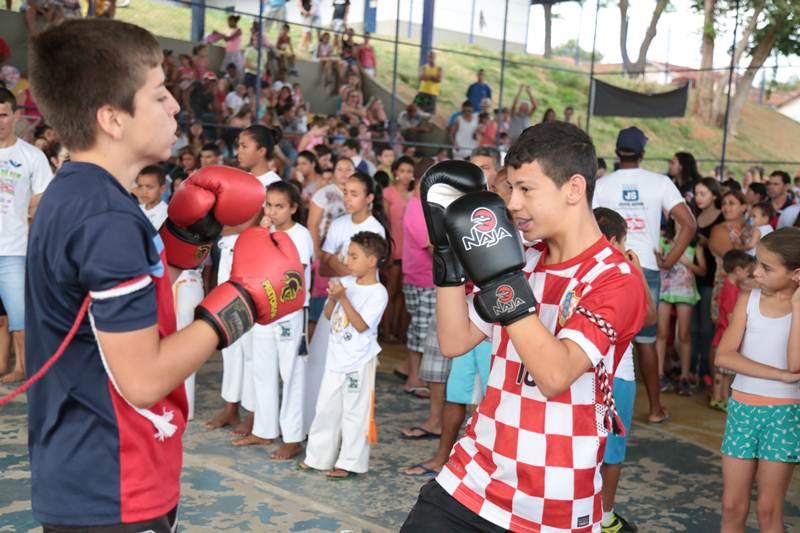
<point x="105" y="421"/>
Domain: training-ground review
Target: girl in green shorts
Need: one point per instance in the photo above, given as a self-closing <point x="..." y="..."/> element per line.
<point x="762" y="345"/>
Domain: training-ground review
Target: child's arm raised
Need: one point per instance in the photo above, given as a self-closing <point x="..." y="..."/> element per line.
<point x="728" y="355"/>
<point x="330" y="265"/>
<point x="754" y="239"/>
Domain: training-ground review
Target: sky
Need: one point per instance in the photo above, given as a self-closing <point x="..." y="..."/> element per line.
<point x="677" y="40"/>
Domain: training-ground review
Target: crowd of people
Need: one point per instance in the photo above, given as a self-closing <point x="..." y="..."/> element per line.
<point x="354" y="204"/>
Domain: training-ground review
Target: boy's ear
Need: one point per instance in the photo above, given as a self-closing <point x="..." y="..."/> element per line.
<point x="108" y="121"/>
<point x="373" y="260"/>
<point x="576" y="189"/>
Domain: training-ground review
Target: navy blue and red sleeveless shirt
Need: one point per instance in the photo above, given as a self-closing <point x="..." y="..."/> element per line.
<point x="94" y="459"/>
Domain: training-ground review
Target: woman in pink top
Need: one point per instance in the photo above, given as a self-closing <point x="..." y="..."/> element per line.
<point x="233" y="45"/>
<point x="395" y="196"/>
<point x="418" y="288"/>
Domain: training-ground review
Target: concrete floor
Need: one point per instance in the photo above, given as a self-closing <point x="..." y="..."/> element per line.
<point x="671" y="481"/>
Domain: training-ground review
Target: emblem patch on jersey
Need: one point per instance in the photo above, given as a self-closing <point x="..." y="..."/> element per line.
<point x="568" y="306"/>
<point x="484" y="232"/>
<point x="292" y="286"/>
<point x="202" y="251"/>
<point x="507" y="301"/>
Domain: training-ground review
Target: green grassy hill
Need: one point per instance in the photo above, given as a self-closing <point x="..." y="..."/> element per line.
<point x="764" y="135"/>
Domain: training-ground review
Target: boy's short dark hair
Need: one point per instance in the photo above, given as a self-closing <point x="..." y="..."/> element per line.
<point x="783" y="175"/>
<point x="766" y="208"/>
<point x="157" y="171"/>
<point x="373" y="244"/>
<point x="352" y="144"/>
<point x="67" y="61"/>
<point x="466" y="103"/>
<point x="734" y="259"/>
<point x="732" y="185"/>
<point x="611" y="223"/>
<point x="561" y="149"/>
<point x="7" y="97"/>
<point x="758" y="188"/>
<point x="211" y="147"/>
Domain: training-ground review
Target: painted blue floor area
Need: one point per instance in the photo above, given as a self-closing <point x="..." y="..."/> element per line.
<point x="667" y="485"/>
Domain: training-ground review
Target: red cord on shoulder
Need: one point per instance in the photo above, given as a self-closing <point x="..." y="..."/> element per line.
<point x="53" y="358"/>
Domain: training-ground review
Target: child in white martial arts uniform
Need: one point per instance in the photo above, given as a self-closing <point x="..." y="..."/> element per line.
<point x="275" y="346"/>
<point x="233" y="357"/>
<point x="187" y="290"/>
<point x="346" y="398"/>
<point x="363" y="201"/>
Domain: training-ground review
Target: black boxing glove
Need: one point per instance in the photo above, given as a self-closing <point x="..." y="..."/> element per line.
<point x="442" y="184"/>
<point x="489" y="247"/>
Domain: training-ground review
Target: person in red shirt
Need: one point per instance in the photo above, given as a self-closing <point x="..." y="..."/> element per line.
<point x="560" y="314"/>
<point x="738" y="266"/>
<point x="366" y="57"/>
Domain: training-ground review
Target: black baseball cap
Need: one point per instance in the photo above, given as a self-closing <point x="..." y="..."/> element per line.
<point x="631" y="141"/>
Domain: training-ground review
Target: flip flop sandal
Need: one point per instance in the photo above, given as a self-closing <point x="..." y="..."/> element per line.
<point x="426" y="435"/>
<point x="413" y="391"/>
<point x="425" y="471"/>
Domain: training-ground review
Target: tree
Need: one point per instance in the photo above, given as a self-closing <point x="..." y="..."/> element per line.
<point x="705" y="84"/>
<point x="637" y="68"/>
<point x="570" y="48"/>
<point x="548" y="24"/>
<point x="719" y="100"/>
<point x="780" y="33"/>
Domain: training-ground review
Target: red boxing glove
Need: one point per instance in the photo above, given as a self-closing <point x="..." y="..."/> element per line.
<point x="212" y="197"/>
<point x="266" y="284"/>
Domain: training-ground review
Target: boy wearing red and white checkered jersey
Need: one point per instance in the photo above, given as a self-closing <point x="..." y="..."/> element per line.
<point x="559" y="318"/>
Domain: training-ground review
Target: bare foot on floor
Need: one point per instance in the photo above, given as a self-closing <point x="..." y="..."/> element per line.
<point x="13" y="377"/>
<point x="287" y="451"/>
<point x="244" y="428"/>
<point x="339" y="473"/>
<point x="251" y="440"/>
<point x="222" y="420"/>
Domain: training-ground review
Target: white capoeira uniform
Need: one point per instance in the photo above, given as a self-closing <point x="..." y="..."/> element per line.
<point x="233" y="357"/>
<point x="346" y="394"/>
<point x="188" y="293"/>
<point x="275" y="359"/>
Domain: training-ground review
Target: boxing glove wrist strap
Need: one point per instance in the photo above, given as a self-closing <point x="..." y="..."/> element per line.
<point x="185" y="249"/>
<point x="447" y="270"/>
<point x="230" y="310"/>
<point x="505" y="300"/>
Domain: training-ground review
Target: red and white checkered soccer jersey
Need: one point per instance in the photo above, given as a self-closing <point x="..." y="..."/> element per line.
<point x="528" y="463"/>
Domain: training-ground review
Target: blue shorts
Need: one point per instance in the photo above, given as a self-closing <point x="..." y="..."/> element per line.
<point x="12" y="290"/>
<point x="647" y="335"/>
<point x="315" y="308"/>
<point x="624" y="397"/>
<point x="465" y="370"/>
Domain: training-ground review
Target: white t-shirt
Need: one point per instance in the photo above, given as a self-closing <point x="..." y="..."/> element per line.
<point x="788" y="216"/>
<point x="235" y="102"/>
<point x="157" y="215"/>
<point x="349" y="350"/>
<point x="465" y="136"/>
<point x="24" y="171"/>
<point x="640" y="196"/>
<point x="625" y="368"/>
<point x="301" y="238"/>
<point x="268" y="179"/>
<point x="342" y="230"/>
<point x="331" y="200"/>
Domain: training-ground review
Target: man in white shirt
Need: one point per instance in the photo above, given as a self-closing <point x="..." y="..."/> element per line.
<point x="24" y="175"/>
<point x="643" y="198"/>
<point x="352" y="150"/>
<point x="236" y="99"/>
